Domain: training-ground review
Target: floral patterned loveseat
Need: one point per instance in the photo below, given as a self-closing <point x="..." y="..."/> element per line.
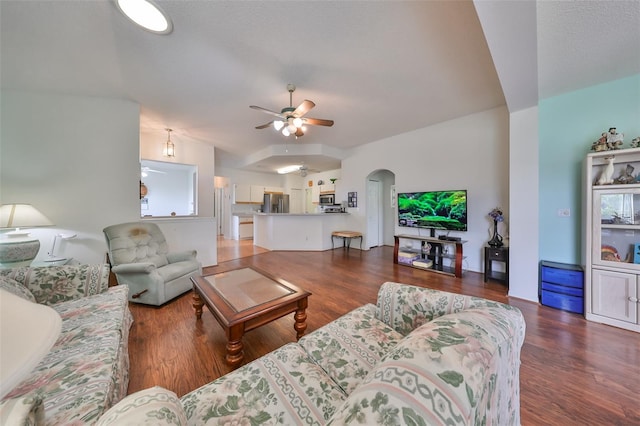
<point x="87" y="369"/>
<point x="419" y="357"/>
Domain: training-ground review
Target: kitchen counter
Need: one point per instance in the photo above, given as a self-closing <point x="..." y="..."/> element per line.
<point x="297" y="231"/>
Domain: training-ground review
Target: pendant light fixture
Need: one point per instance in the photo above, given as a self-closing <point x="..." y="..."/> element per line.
<point x="169" y="148"/>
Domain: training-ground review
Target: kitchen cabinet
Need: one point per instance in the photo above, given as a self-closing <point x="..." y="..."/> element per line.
<point x="245" y="231"/>
<point x="242" y="227"/>
<point x="328" y="188"/>
<point x="257" y="194"/>
<point x="247" y="194"/>
<point x="273" y="190"/>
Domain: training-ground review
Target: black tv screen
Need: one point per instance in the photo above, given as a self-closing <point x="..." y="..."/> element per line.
<point x="433" y="209"/>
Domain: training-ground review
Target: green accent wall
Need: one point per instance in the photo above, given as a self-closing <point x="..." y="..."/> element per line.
<point x="568" y="125"/>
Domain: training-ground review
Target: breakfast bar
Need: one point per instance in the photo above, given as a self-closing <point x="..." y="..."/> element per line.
<point x="291" y="231"/>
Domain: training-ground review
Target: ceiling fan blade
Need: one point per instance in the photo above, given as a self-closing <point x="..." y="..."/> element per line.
<point x="299" y="132"/>
<point x="268" y="111"/>
<point x="147" y="169"/>
<point x="318" y="122"/>
<point x="264" y="126"/>
<point x="303" y="108"/>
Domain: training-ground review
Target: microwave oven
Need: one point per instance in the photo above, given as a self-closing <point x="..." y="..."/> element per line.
<point x="327" y="199"/>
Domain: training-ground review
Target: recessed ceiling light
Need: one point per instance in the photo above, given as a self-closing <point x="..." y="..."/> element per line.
<point x="146" y="14"/>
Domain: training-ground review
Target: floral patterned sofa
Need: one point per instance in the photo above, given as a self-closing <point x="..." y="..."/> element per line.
<point x="87" y="369"/>
<point x="419" y="357"/>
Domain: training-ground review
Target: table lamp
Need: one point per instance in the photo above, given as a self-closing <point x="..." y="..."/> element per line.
<point x="17" y="247"/>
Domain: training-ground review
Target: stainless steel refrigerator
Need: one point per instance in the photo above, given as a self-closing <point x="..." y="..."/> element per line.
<point x="276" y="203"/>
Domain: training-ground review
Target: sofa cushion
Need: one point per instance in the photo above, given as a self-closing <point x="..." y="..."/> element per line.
<point x="454" y="370"/>
<point x="349" y="347"/>
<point x="283" y="387"/>
<point x="14" y="287"/>
<point x="153" y="406"/>
<point x="55" y="284"/>
<point x="86" y="371"/>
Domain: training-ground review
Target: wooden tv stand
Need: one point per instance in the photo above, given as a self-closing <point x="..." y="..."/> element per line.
<point x="430" y="255"/>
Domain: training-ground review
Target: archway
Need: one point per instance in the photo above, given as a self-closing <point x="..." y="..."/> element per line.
<point x="381" y="210"/>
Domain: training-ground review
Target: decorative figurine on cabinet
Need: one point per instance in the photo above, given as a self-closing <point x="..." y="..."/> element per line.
<point x="607" y="174"/>
<point x="635" y="142"/>
<point x="600" y="144"/>
<point x="626" y="176"/>
<point x="610" y="141"/>
<point x="614" y="139"/>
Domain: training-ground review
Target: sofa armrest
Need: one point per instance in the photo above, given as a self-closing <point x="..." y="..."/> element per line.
<point x="181" y="256"/>
<point x="134" y="268"/>
<point x="405" y="307"/>
<point x="154" y="406"/>
<point x="55" y="284"/>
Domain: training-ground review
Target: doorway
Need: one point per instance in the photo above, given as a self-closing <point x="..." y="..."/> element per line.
<point x="381" y="210"/>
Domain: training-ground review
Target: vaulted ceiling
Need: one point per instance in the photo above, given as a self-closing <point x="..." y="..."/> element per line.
<point x="377" y="69"/>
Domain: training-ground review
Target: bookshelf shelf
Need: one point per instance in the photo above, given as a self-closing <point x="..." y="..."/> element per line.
<point x="430" y="254"/>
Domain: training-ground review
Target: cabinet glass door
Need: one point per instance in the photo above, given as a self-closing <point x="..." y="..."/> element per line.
<point x="617" y="227"/>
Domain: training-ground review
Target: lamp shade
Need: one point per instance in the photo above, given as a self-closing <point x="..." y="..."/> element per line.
<point x="21" y="216"/>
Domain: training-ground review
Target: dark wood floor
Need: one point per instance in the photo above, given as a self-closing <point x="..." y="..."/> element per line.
<point x="573" y="372"/>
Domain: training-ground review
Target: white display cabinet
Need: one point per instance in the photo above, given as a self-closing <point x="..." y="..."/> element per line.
<point x="612" y="238"/>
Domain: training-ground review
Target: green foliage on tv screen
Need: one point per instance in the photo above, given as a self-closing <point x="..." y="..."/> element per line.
<point x="438" y="209"/>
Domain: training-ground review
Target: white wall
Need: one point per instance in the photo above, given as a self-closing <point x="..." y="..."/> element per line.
<point x="435" y="158"/>
<point x="76" y="160"/>
<point x="523" y="204"/>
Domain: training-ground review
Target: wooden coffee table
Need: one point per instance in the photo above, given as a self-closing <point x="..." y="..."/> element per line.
<point x="244" y="299"/>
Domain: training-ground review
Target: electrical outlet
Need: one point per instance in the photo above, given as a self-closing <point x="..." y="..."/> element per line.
<point x="564" y="212"/>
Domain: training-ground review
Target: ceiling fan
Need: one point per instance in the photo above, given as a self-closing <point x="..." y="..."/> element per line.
<point x="291" y="121"/>
<point x="144" y="171"/>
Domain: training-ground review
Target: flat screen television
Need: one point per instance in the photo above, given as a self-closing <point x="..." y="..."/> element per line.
<point x="445" y="210"/>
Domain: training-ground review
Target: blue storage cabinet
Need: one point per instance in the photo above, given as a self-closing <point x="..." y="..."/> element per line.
<point x="561" y="286"/>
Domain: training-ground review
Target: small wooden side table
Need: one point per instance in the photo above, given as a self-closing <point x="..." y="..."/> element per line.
<point x="496" y="254"/>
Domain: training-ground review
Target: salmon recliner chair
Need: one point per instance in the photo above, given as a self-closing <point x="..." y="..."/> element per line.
<point x="140" y="259"/>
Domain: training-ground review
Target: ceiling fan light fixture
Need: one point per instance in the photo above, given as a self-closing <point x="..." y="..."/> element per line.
<point x="285" y="131"/>
<point x="146" y="14"/>
<point x="297" y="122"/>
<point x="289" y="169"/>
<point x="291" y="128"/>
<point x="277" y="124"/>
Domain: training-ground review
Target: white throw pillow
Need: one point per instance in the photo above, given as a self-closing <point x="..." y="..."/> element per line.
<point x="27" y="332"/>
<point x="153" y="406"/>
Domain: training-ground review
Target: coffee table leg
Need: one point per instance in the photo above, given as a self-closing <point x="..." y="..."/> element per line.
<point x="301" y="317"/>
<point x="235" y="352"/>
<point x="197" y="304"/>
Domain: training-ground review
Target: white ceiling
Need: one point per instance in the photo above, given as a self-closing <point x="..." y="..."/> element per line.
<point x="377" y="68"/>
